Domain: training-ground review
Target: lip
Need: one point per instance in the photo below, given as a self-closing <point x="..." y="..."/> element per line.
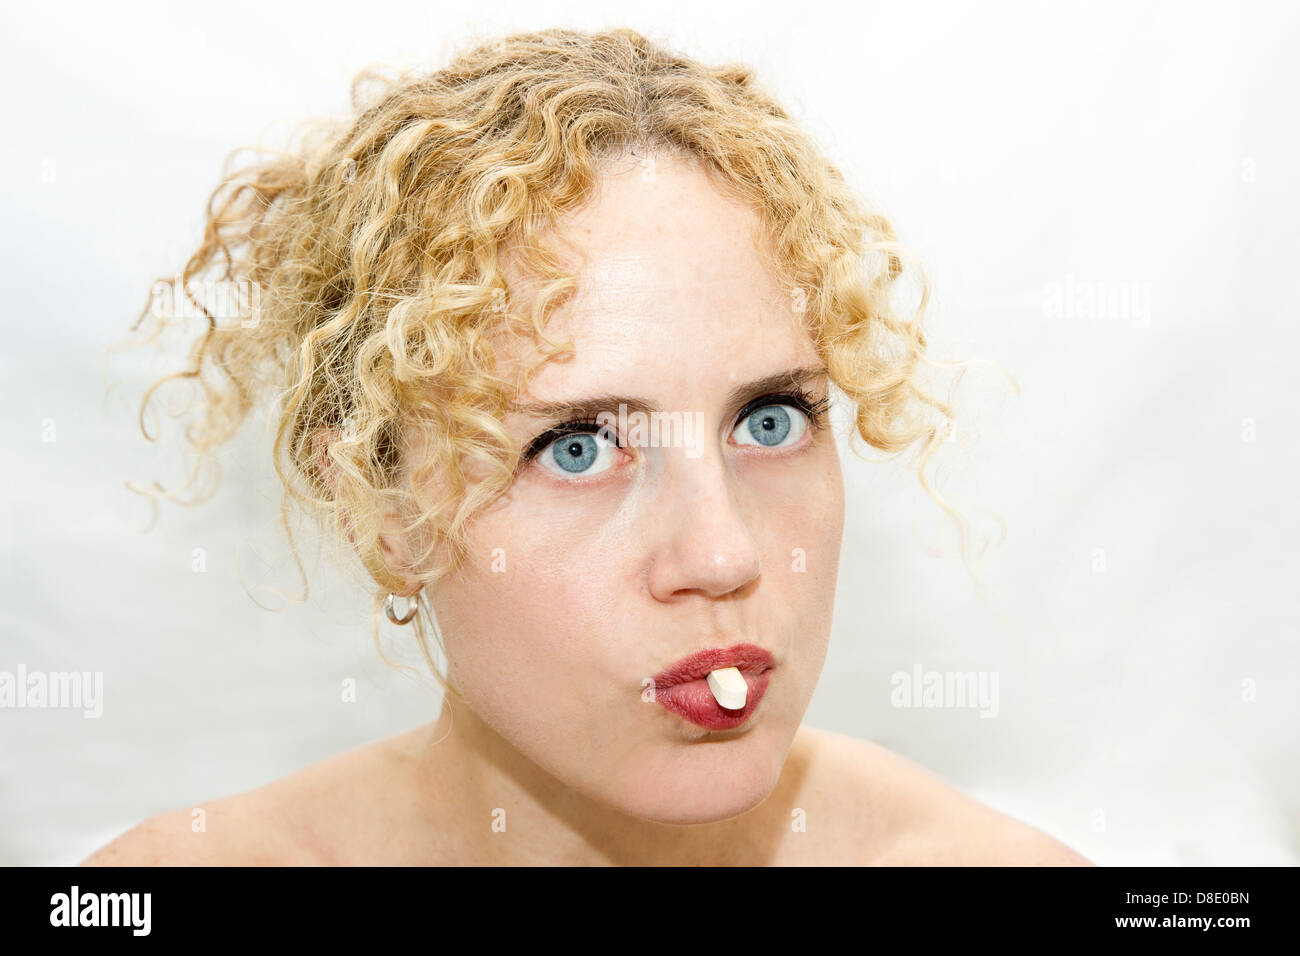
<point x="682" y="687"/>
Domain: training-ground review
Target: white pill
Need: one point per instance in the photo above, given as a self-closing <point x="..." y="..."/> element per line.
<point x="729" y="687"/>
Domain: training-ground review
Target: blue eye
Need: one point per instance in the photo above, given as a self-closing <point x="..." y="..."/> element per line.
<point x="577" y="452"/>
<point x="771" y="425"/>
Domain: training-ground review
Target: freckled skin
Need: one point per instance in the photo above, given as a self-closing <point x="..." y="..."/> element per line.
<point x="612" y="578"/>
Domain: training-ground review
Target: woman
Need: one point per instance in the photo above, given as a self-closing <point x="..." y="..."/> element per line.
<point x="555" y="331"/>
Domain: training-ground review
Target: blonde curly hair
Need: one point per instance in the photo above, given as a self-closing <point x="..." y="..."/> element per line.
<point x="374" y="244"/>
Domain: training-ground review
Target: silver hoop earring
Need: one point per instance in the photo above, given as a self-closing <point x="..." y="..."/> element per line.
<point x="410" y="611"/>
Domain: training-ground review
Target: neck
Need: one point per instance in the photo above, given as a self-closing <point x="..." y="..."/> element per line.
<point x="488" y="803"/>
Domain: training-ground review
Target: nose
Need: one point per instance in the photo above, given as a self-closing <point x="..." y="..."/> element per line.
<point x="705" y="544"/>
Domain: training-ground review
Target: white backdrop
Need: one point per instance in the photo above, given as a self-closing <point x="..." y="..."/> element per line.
<point x="1105" y="198"/>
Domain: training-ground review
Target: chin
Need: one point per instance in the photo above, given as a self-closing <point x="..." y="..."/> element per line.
<point x="711" y="782"/>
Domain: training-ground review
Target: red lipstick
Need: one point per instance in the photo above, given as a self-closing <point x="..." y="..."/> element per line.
<point x="683" y="688"/>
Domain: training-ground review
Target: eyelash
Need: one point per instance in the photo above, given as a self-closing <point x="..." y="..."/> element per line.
<point x="813" y="408"/>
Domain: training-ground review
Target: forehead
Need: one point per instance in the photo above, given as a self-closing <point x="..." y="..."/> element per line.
<point x="671" y="288"/>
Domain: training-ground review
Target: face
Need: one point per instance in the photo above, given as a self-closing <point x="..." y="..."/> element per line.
<point x="604" y="565"/>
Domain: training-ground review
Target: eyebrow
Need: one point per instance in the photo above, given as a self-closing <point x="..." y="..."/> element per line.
<point x="591" y="406"/>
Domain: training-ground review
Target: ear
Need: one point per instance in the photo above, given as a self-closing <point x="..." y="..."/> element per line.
<point x="392" y="544"/>
<point x="396" y="552"/>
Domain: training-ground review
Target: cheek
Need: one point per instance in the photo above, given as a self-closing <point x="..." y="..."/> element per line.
<point x="803" y="532"/>
<point x="827" y="518"/>
<point x="528" y="616"/>
<point x="801" y="525"/>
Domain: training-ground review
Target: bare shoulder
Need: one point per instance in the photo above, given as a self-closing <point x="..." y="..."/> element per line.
<point x="231" y="831"/>
<point x="292" y="821"/>
<point x="904" y="815"/>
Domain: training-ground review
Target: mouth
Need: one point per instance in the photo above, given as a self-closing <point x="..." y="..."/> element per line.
<point x="683" y="687"/>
